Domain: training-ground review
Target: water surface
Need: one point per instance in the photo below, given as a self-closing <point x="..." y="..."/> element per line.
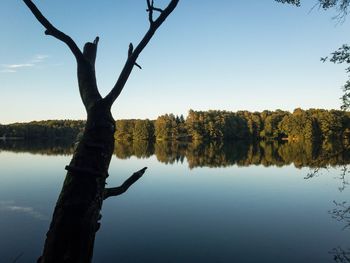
<point x="217" y="202"/>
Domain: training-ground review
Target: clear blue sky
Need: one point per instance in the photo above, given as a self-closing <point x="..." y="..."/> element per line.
<point x="229" y="55"/>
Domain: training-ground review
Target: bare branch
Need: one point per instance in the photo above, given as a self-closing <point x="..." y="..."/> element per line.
<point x="130" y="63"/>
<point x="137" y="65"/>
<point x="108" y="192"/>
<point x="86" y="75"/>
<point x="51" y="30"/>
<point x="150" y="11"/>
<point x="86" y="59"/>
<point x="90" y="51"/>
<point x="156" y="9"/>
<point x="131" y="49"/>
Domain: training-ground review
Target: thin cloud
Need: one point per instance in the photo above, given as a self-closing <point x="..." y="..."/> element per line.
<point x="16" y="66"/>
<point x="12" y="68"/>
<point x="39" y="58"/>
<point x="8" y="71"/>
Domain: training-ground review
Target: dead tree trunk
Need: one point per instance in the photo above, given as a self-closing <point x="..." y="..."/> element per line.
<point x="71" y="235"/>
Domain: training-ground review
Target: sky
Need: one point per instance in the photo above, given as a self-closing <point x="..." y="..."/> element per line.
<point x="223" y="55"/>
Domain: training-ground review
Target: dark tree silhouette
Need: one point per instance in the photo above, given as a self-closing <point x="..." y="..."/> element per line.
<point x="75" y="220"/>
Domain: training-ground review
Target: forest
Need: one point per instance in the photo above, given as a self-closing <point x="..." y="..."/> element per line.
<point x="311" y="124"/>
<point x="50" y="129"/>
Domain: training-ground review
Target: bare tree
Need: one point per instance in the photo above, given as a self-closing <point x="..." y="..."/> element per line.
<point x="71" y="235"/>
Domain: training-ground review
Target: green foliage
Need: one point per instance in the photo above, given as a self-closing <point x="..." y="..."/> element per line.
<point x="312" y="124"/>
<point x="271" y="123"/>
<point x="207" y="125"/>
<point x="124" y="130"/>
<point x="169" y="127"/>
<point x="299" y="125"/>
<point x="127" y="130"/>
<point x="50" y="129"/>
<point x="143" y="130"/>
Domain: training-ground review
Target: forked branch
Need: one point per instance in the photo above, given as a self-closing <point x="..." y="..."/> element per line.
<point x="53" y="31"/>
<point x="86" y="60"/>
<point x="150" y="9"/>
<point x="134" y="53"/>
<point x="89" y="93"/>
<point x="108" y="192"/>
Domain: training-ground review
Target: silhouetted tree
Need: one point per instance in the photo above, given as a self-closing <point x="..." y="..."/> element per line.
<point x="75" y="220"/>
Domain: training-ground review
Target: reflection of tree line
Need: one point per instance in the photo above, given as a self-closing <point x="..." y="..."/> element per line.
<point x="44" y="147"/>
<point x="222" y="154"/>
<point x="211" y="154"/>
<point x="241" y="153"/>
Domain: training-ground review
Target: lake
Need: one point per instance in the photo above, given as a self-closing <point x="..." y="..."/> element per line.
<point x="216" y="202"/>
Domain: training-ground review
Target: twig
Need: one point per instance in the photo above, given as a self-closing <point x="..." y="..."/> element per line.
<point x="132" y="56"/>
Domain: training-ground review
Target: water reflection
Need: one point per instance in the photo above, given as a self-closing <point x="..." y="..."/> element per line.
<point x="44" y="147"/>
<point x="220" y="154"/>
<point x="340" y="255"/>
<point x="11" y="206"/>
<point x="212" y="154"/>
<point x="71" y="235"/>
<point x="340" y="211"/>
<point x="240" y="153"/>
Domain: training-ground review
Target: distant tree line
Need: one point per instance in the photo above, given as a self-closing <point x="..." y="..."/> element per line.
<point x="50" y="129"/>
<point x="312" y="124"/>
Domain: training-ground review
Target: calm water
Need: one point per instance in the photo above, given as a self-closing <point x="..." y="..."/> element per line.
<point x="196" y="203"/>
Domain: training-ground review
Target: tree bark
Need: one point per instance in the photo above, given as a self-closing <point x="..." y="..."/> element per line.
<point x="75" y="220"/>
<point x="76" y="216"/>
